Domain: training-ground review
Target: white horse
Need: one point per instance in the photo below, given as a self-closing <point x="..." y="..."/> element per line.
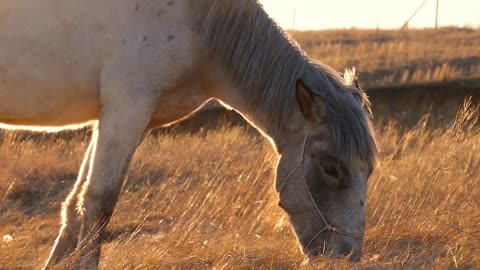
<point x="132" y="65"/>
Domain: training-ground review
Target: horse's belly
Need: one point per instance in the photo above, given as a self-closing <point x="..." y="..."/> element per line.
<point x="34" y="105"/>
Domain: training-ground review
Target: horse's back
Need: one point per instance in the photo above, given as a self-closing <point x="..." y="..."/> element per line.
<point x="51" y="56"/>
<point x="53" y="53"/>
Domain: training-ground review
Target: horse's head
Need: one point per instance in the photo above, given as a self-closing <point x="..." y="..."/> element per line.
<point x="323" y="171"/>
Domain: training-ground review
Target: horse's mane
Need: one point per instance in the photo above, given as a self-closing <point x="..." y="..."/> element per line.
<point x="265" y="62"/>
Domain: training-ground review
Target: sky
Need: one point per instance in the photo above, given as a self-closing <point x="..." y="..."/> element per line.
<point x="323" y="14"/>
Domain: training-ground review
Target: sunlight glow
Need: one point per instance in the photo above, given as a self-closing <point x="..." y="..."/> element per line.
<point x="322" y="14"/>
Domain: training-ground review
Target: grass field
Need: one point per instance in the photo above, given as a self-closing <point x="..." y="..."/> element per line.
<point x="385" y="57"/>
<point x="207" y="200"/>
<point x="210" y="202"/>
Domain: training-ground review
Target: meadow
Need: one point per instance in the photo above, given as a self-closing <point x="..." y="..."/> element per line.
<point x="206" y="200"/>
<point x="385" y="57"/>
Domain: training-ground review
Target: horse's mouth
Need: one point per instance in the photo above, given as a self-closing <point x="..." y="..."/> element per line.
<point x="340" y="249"/>
<point x="317" y="254"/>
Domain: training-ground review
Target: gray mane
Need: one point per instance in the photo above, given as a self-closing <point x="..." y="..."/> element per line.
<point x="266" y="63"/>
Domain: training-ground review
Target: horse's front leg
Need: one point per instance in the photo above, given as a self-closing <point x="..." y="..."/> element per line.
<point x="125" y="114"/>
<point x="67" y="238"/>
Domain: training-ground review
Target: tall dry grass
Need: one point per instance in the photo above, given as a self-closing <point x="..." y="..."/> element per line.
<point x="386" y="57"/>
<point x="207" y="201"/>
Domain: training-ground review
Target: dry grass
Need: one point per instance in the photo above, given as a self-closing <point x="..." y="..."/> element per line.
<point x="394" y="56"/>
<point x="207" y="201"/>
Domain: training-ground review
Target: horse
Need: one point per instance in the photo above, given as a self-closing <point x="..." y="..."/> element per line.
<point x="127" y="66"/>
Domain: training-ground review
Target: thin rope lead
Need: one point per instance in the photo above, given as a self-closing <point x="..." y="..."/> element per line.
<point x="300" y="162"/>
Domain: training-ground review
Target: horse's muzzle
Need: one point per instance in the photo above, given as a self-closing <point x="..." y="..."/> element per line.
<point x="336" y="249"/>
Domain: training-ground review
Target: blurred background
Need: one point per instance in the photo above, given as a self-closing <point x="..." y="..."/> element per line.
<point x="385" y="14"/>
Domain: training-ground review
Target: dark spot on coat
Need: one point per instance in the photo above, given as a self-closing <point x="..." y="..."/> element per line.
<point x="170" y="3"/>
<point x="124" y="42"/>
<point x="99" y="28"/>
<point x="361" y="203"/>
<point x="145" y="38"/>
<point x="137" y="7"/>
<point x="170" y="37"/>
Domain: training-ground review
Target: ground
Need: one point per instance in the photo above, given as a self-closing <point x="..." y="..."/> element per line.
<point x="207" y="200"/>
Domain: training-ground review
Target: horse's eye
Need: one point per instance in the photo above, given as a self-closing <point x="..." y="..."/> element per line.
<point x="331" y="171"/>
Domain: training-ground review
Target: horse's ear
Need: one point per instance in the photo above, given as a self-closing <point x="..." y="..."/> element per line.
<point x="355" y="82"/>
<point x="310" y="105"/>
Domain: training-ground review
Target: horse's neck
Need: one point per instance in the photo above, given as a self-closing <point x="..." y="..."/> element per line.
<point x="231" y="95"/>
